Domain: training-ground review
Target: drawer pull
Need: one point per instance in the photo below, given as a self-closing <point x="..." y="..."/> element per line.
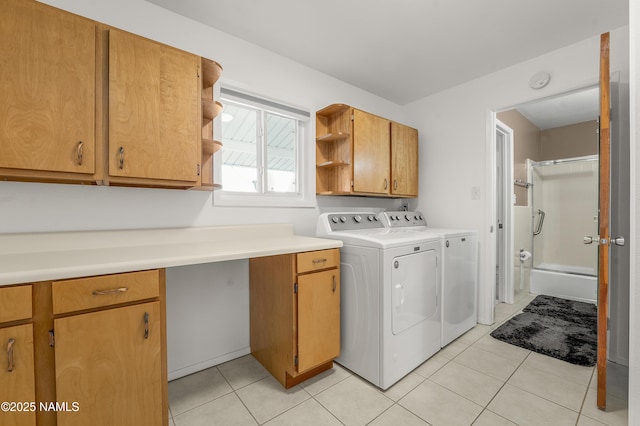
<point x="146" y="325"/>
<point x="318" y="261"/>
<point x="334" y="283"/>
<point x="110" y="291"/>
<point x="10" y="354"/>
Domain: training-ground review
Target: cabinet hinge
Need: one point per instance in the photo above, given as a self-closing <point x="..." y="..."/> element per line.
<point x="52" y="338"/>
<point x="295" y="288"/>
<point x="295" y="361"/>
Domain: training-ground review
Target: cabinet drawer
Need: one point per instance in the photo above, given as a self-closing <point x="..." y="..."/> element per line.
<point x="95" y="292"/>
<point x="15" y="303"/>
<point x="317" y="260"/>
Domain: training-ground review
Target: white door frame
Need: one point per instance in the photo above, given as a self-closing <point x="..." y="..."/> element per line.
<point x="506" y="292"/>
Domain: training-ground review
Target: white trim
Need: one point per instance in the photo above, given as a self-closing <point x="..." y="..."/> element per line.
<point x="507" y="189"/>
<point x="305" y="195"/>
<point x="487" y="287"/>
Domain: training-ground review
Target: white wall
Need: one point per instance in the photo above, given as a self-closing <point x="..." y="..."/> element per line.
<point x="207" y="305"/>
<point x="456" y="125"/>
<point x="453" y="134"/>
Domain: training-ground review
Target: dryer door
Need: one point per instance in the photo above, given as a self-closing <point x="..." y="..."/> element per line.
<point x="414" y="289"/>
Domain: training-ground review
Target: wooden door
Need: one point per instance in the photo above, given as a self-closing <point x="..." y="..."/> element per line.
<point x="111" y="366"/>
<point x="47" y="88"/>
<point x="154" y="111"/>
<point x="404" y="160"/>
<point x="371" y="152"/>
<point x="603" y="225"/>
<point x="318" y="318"/>
<point x="17" y="375"/>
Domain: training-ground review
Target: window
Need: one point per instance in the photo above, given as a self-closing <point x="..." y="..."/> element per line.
<point x="263" y="151"/>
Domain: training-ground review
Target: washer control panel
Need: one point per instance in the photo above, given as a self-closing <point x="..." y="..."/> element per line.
<point x="402" y="218"/>
<point x="350" y="221"/>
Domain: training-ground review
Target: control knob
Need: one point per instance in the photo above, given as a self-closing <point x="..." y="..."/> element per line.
<point x="357" y="218"/>
<point x="343" y="219"/>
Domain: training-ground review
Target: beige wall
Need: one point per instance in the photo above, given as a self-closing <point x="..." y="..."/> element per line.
<point x="575" y="140"/>
<point x="526" y="144"/>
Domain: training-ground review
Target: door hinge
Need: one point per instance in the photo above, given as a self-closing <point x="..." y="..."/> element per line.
<point x="295" y="288"/>
<point x="295" y="361"/>
<point x="52" y="338"/>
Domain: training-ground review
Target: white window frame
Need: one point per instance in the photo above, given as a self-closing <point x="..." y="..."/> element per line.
<point x="305" y="195"/>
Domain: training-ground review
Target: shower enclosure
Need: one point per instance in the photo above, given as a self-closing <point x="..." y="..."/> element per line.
<point x="564" y="208"/>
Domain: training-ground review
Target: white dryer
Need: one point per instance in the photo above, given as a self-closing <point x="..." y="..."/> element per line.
<point x="390" y="311"/>
<point x="459" y="271"/>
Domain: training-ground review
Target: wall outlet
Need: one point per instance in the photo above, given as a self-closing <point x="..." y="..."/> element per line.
<point x="475" y="192"/>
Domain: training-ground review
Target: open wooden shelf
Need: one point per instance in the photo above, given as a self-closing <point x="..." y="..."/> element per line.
<point x="332" y="137"/>
<point x="332" y="164"/>
<point x="210" y="146"/>
<point x="210" y="109"/>
<point x="211" y="72"/>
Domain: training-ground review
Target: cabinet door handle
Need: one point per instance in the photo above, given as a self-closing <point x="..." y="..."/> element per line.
<point x="395" y="184"/>
<point x="386" y="183"/>
<point x="146" y="325"/>
<point x="317" y="261"/>
<point x="121" y="158"/>
<point x="10" y="354"/>
<point x="334" y="283"/>
<point x="79" y="152"/>
<point x="110" y="291"/>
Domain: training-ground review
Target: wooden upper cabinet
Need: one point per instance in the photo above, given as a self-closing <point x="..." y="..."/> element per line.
<point x="154" y="111"/>
<point x="47" y="91"/>
<point x="363" y="154"/>
<point x="404" y="160"/>
<point x="370" y="153"/>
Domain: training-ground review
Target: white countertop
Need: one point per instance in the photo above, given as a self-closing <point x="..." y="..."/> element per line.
<point x="48" y="256"/>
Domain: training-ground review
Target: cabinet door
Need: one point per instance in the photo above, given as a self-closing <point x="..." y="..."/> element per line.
<point x="370" y="153"/>
<point x="109" y="362"/>
<point x="154" y="110"/>
<point x="17" y="373"/>
<point x="318" y="318"/>
<point x="404" y="160"/>
<point x="47" y="87"/>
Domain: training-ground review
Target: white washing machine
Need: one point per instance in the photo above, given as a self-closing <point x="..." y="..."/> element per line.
<point x="459" y="271"/>
<point x="390" y="310"/>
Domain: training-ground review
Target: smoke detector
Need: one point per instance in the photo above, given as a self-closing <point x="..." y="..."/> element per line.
<point x="539" y="80"/>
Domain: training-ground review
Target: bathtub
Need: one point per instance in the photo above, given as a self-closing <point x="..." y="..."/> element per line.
<point x="568" y="282"/>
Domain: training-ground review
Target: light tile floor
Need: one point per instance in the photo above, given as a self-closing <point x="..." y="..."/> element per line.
<point x="476" y="380"/>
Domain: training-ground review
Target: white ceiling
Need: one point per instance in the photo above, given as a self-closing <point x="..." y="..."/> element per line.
<point x="404" y="50"/>
<point x="570" y="108"/>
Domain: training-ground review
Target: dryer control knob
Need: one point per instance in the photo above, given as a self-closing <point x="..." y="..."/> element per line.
<point x="343" y="219"/>
<point x="407" y="217"/>
<point x="357" y="218"/>
<point x="370" y="218"/>
<point x="334" y="219"/>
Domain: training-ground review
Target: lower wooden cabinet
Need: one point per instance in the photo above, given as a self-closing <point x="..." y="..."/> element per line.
<point x="85" y="351"/>
<point x="108" y="363"/>
<point x="17" y="385"/>
<point x="295" y="313"/>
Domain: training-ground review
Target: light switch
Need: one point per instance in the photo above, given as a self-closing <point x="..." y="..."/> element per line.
<point x="475" y="192"/>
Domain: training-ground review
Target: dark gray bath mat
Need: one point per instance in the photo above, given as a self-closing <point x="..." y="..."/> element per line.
<point x="561" y="328"/>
